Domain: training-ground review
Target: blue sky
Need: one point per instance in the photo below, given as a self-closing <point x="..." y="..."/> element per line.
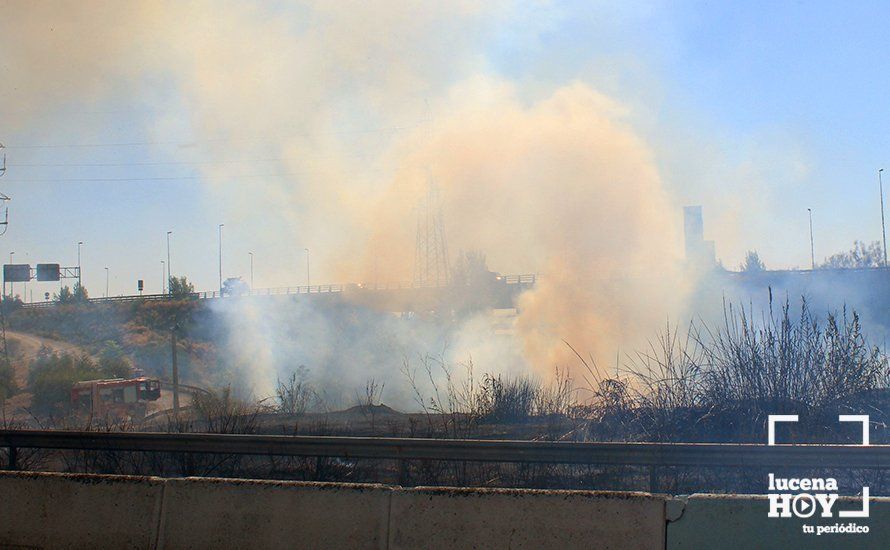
<point x="752" y="81"/>
<point x="755" y="110"/>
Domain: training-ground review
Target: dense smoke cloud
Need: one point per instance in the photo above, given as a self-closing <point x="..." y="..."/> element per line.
<point x="365" y="104"/>
<point x="562" y="187"/>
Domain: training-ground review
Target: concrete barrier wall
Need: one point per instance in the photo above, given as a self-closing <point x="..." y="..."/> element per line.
<point x="40" y="510"/>
<point x="218" y="513"/>
<point x="712" y="521"/>
<point x="85" y="511"/>
<point x="78" y="511"/>
<point x="427" y="517"/>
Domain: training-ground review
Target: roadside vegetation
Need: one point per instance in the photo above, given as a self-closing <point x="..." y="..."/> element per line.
<point x="8" y="386"/>
<point x="698" y="383"/>
<point x="52" y="375"/>
<point x="140" y="331"/>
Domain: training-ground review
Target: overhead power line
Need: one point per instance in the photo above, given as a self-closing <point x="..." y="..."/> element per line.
<point x="83" y="145"/>
<point x="26" y="181"/>
<point x="155" y="178"/>
<point x="158" y="163"/>
<point x="172" y="162"/>
<point x="197" y="142"/>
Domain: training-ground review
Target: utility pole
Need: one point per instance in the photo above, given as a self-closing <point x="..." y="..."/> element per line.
<point x="307" y="270"/>
<point x="251" y="269"/>
<point x="5" y="351"/>
<point x="175" y="374"/>
<point x="883" y="229"/>
<point x="220" y="259"/>
<point x="106" y="281"/>
<point x="812" y="248"/>
<point x="169" y="265"/>
<point x="11" y="284"/>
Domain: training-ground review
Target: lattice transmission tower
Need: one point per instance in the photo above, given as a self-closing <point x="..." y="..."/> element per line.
<point x="431" y="249"/>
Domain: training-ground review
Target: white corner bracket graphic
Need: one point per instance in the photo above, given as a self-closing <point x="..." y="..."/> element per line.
<point x="771" y="425"/>
<point x="857" y="418"/>
<point x="863" y="418"/>
<point x="857" y="513"/>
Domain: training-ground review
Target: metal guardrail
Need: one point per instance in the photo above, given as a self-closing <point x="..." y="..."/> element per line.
<point x="526" y="279"/>
<point x="817" y="271"/>
<point x="281" y="291"/>
<point x="638" y="454"/>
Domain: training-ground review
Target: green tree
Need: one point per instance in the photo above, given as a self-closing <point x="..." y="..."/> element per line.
<point x="470" y="279"/>
<point x="65" y="296"/>
<point x="180" y="287"/>
<point x="471" y="269"/>
<point x="68" y="296"/>
<point x="860" y="256"/>
<point x="10" y="304"/>
<point x="52" y="377"/>
<point x="752" y="263"/>
<point x="113" y="362"/>
<point x="80" y="293"/>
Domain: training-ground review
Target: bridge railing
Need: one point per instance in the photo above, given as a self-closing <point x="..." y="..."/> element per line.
<point x="279" y="291"/>
<point x="526" y="279"/>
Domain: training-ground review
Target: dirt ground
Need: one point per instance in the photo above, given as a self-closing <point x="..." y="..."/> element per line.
<point x="24" y="348"/>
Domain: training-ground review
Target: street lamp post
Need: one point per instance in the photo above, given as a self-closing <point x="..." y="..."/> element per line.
<point x="251" y="269"/>
<point x="308" y="284"/>
<point x="812" y="248"/>
<point x="169" y="265"/>
<point x="883" y="229"/>
<point x="164" y="281"/>
<point x="79" y="278"/>
<point x="11" y="284"/>
<point x="106" y="281"/>
<point x="220" y="258"/>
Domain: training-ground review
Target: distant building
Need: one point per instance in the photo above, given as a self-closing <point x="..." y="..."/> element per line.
<point x="699" y="252"/>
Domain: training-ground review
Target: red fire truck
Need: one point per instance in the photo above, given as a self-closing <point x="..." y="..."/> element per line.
<point x="116" y="396"/>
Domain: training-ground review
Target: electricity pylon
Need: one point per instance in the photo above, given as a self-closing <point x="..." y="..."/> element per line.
<point x="431" y="249"/>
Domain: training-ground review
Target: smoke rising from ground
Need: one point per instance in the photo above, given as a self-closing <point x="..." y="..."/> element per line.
<point x="561" y="187"/>
<point x="365" y="104"/>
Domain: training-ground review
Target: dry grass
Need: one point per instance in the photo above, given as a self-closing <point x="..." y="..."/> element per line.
<point x="702" y="383"/>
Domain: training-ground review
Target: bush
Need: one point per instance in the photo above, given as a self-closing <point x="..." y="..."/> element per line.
<point x="7" y="380"/>
<point x="508" y="399"/>
<point x="52" y="376"/>
<point x="294" y="395"/>
<point x="723" y="383"/>
<point x="223" y="413"/>
<point x="860" y="256"/>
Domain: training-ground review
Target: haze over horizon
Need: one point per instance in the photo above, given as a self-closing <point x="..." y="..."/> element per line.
<point x="565" y="138"/>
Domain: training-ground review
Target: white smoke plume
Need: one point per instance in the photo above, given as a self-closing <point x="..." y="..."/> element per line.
<point x="364" y="103"/>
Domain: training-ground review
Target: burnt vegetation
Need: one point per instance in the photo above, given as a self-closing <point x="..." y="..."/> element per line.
<point x="701" y="383"/>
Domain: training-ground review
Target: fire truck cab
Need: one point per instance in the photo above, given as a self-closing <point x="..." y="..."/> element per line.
<point x="116" y="396"/>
